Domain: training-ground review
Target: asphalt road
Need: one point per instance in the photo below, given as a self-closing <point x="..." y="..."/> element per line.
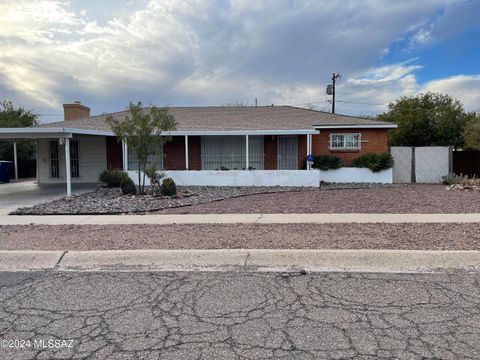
<point x="139" y="315"/>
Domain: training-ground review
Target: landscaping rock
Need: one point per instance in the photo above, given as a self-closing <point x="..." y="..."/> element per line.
<point x="112" y="201"/>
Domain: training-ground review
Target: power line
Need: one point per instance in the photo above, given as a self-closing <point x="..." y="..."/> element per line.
<point x="311" y="103"/>
<point x="359" y="102"/>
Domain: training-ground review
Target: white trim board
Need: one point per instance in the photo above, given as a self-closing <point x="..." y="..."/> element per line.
<point x="386" y="126"/>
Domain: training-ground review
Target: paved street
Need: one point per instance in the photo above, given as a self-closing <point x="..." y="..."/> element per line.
<point x="247" y="315"/>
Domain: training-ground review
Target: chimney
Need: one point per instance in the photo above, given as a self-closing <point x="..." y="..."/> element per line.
<point x="75" y="111"/>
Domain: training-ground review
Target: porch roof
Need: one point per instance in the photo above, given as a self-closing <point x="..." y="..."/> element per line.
<point x="51" y="132"/>
<point x="47" y="133"/>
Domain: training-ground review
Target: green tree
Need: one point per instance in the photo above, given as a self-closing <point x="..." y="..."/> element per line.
<point x="472" y="135"/>
<point x="427" y="120"/>
<point x="16" y="117"/>
<point x="141" y="129"/>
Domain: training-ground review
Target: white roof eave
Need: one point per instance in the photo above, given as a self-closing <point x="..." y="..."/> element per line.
<point x="365" y="126"/>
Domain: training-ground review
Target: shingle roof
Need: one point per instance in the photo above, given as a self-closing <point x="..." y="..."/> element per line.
<point x="226" y="118"/>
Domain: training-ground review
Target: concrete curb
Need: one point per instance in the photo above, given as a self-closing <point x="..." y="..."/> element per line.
<point x="29" y="260"/>
<point x="383" y="261"/>
<point x="237" y="219"/>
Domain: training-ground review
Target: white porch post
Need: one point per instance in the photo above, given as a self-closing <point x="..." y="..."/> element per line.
<point x="186" y="152"/>
<point x="67" y="167"/>
<point x="247" y="160"/>
<point x="124" y="155"/>
<point x="309" y="149"/>
<point x="15" y="162"/>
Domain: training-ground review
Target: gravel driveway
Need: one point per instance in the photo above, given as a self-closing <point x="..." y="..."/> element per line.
<point x="435" y="236"/>
<point x="410" y="198"/>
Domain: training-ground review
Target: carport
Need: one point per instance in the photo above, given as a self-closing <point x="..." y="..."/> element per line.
<point x="29" y="193"/>
<point x="62" y="135"/>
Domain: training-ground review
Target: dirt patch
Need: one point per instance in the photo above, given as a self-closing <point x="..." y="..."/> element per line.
<point x="394" y="199"/>
<point x="435" y="236"/>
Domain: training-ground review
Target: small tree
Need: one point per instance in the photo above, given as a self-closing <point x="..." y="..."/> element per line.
<point x="16" y="117"/>
<point x="142" y="128"/>
<point x="427" y="120"/>
<point x="472" y="135"/>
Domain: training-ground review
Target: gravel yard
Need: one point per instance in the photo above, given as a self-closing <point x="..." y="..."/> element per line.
<point x="412" y="198"/>
<point x="300" y="236"/>
<point x="112" y="201"/>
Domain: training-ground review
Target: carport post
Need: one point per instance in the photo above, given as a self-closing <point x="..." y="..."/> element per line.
<point x="15" y="162"/>
<point x="67" y="167"/>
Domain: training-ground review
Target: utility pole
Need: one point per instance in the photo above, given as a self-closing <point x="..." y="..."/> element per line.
<point x="334" y="80"/>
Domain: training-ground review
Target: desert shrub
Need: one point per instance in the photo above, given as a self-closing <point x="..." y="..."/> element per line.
<point x="169" y="188"/>
<point x="327" y="162"/>
<point x="374" y="162"/>
<point x="128" y="187"/>
<point x="451" y="179"/>
<point x="155" y="178"/>
<point x="473" y="181"/>
<point x="112" y="178"/>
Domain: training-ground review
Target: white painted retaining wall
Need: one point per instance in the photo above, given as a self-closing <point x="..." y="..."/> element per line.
<point x="356" y="175"/>
<point x="240" y="177"/>
<point x="272" y="177"/>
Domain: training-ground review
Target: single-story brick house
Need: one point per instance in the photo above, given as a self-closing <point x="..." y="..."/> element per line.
<point x="272" y="141"/>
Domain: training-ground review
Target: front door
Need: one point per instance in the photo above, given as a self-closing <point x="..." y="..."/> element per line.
<point x="287" y="153"/>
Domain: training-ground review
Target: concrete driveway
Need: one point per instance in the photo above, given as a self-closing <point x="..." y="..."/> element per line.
<point x="15" y="195"/>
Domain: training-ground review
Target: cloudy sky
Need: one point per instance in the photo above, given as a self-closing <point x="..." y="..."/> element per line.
<point x="200" y="52"/>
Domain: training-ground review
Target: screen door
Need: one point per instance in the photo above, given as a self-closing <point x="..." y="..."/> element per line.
<point x="287" y="153"/>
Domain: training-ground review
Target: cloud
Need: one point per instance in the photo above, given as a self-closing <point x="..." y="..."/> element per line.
<point x="465" y="88"/>
<point x="207" y="52"/>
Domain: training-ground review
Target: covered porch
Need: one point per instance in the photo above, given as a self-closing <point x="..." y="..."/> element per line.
<point x="230" y="150"/>
<point x="234" y="158"/>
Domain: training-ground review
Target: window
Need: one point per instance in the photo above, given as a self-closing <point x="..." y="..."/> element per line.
<point x="54" y="160"/>
<point x="74" y="164"/>
<point x="54" y="164"/>
<point x="155" y="159"/>
<point x="345" y="141"/>
<point x="228" y="152"/>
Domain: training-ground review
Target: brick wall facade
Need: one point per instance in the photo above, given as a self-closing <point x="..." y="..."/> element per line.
<point x="174" y="154"/>
<point x="270" y="151"/>
<point x="373" y="141"/>
<point x="194" y="153"/>
<point x="302" y="151"/>
<point x="114" y="153"/>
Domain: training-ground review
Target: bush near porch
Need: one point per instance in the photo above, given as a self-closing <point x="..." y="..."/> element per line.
<point x="375" y="162"/>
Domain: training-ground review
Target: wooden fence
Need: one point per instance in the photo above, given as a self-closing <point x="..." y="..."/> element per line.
<point x="466" y="163"/>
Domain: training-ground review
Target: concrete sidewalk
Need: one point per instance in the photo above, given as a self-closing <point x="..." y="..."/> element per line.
<point x="237" y="219"/>
<point x="382" y="261"/>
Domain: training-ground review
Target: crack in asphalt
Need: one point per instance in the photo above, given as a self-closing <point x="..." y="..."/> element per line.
<point x="60" y="259"/>
<point x="201" y="315"/>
